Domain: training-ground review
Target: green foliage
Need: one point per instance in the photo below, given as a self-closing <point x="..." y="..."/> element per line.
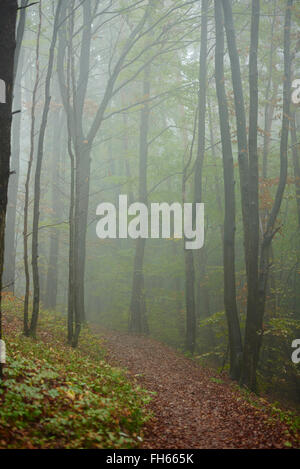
<point x="54" y="396"/>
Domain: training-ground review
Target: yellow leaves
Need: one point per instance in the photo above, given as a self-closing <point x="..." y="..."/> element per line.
<point x="70" y="394"/>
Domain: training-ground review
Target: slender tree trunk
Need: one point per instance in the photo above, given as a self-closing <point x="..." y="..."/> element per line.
<point x="296" y="170"/>
<point x="126" y="151"/>
<point x="216" y="177"/>
<point x="138" y="320"/>
<point x="52" y="272"/>
<point x="37" y="180"/>
<point x="200" y="256"/>
<point x="190" y="329"/>
<point x="27" y="182"/>
<point x="71" y="272"/>
<point x="252" y="299"/>
<point x="296" y="164"/>
<point x="8" y="15"/>
<point x="71" y="280"/>
<point x="190" y="337"/>
<point x="269" y="106"/>
<point x="235" y="339"/>
<point x="240" y="120"/>
<point x="253" y="339"/>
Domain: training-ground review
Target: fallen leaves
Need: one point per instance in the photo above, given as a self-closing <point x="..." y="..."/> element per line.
<point x="192" y="407"/>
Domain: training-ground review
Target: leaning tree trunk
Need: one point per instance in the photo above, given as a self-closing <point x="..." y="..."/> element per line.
<point x="8" y="15"/>
<point x="234" y="332"/>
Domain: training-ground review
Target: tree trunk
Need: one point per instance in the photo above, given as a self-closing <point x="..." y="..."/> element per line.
<point x="27" y="182"/>
<point x="252" y="298"/>
<point x="296" y="170"/>
<point x="52" y="272"/>
<point x="200" y="256"/>
<point x="235" y="340"/>
<point x="37" y="180"/>
<point x="138" y="320"/>
<point x="8" y="14"/>
<point x="240" y="120"/>
<point x="10" y="238"/>
<point x="253" y="339"/>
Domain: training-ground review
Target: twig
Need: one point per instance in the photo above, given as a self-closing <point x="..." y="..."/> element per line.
<point x="27" y="6"/>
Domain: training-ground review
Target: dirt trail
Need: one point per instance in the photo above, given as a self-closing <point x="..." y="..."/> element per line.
<point x="191" y="409"/>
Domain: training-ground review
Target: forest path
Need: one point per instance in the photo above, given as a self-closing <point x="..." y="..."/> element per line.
<point x="191" y="409"/>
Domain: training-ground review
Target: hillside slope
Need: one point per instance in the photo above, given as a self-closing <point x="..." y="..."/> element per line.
<point x="56" y="397"/>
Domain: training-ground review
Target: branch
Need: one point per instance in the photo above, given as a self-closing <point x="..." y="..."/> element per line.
<point x="164" y="179"/>
<point x="27" y="6"/>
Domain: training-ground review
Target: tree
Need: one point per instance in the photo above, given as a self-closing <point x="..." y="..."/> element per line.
<point x="138" y="319"/>
<point x="198" y="174"/>
<point x="28" y="176"/>
<point x="234" y="332"/>
<point x="10" y="239"/>
<point x="255" y="332"/>
<point x="8" y="16"/>
<point x="37" y="179"/>
<point x="252" y="254"/>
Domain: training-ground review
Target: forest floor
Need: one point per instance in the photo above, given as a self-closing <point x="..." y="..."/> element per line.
<point x="54" y="396"/>
<point x="195" y="407"/>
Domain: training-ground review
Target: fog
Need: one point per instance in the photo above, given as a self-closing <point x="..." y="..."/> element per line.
<point x="162" y="102"/>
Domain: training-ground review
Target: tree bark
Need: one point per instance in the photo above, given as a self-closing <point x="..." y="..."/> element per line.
<point x="37" y="180"/>
<point x="252" y="297"/>
<point x="235" y="339"/>
<point x="254" y="335"/>
<point x="240" y="120"/>
<point x="10" y="229"/>
<point x="8" y="15"/>
<point x="200" y="257"/>
<point x="138" y="320"/>
<point x="27" y="182"/>
<point x="52" y="272"/>
<point x="10" y="238"/>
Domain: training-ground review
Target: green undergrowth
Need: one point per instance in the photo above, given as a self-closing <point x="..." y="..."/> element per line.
<point x="274" y="412"/>
<point x="54" y="396"/>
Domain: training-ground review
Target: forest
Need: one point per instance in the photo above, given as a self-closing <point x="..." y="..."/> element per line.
<point x="149" y="224"/>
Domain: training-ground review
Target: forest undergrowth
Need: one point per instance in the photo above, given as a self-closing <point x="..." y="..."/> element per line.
<point x="119" y="390"/>
<point x="54" y="396"/>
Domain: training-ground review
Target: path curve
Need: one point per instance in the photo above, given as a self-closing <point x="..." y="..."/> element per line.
<point x="191" y="410"/>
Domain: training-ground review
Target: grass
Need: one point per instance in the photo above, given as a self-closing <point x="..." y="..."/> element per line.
<point x="53" y="396"/>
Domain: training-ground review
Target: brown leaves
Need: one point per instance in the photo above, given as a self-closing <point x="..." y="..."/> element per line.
<point x="192" y="408"/>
